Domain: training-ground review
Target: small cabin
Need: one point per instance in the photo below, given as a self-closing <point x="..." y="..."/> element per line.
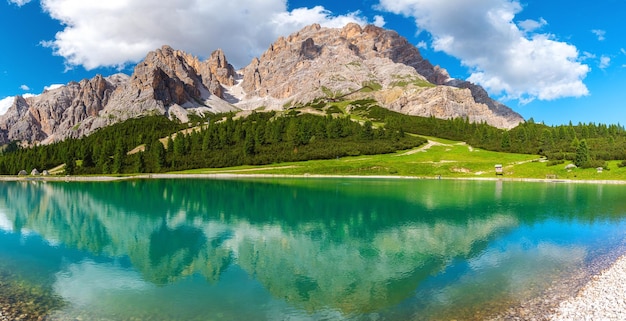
<point x="499" y="169"/>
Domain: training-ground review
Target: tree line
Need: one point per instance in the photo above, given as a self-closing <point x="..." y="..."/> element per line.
<point x="587" y="145"/>
<point x="268" y="137"/>
<point x="220" y="141"/>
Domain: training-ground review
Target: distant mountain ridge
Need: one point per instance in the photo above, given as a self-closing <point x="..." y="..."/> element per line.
<point x="315" y="62"/>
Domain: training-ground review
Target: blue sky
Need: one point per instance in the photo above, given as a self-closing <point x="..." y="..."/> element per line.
<point x="555" y="61"/>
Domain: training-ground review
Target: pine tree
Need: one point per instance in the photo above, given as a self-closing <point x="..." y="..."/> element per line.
<point x="582" y="154"/>
<point x="368" y="131"/>
<point x="70" y="165"/>
<point x="158" y="153"/>
<point x="118" y="158"/>
<point x="506" y="141"/>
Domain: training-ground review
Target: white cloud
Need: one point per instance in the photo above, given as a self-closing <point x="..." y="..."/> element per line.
<point x="113" y="33"/>
<point x="379" y="21"/>
<point x="502" y="58"/>
<point x="19" y="3"/>
<point x="52" y="87"/>
<point x="422" y="45"/>
<point x="599" y="33"/>
<point x="623" y="51"/>
<point x="5" y="103"/>
<point x="605" y="62"/>
<point x="530" y="25"/>
<point x="587" y="55"/>
<point x="24" y="87"/>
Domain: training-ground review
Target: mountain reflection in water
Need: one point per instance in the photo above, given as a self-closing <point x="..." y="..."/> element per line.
<point x="352" y="246"/>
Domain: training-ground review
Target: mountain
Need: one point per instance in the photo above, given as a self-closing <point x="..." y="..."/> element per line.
<point x="315" y="63"/>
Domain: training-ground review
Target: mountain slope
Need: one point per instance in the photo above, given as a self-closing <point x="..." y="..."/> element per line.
<point x="312" y="64"/>
<point x="317" y="61"/>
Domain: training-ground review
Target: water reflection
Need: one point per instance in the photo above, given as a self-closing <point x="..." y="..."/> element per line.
<point x="351" y="246"/>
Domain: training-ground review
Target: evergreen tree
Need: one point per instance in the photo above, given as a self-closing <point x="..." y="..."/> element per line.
<point x="118" y="158"/>
<point x="70" y="165"/>
<point x="88" y="158"/>
<point x="582" y="154"/>
<point x="139" y="165"/>
<point x="158" y="154"/>
<point x="249" y="144"/>
<point x="367" y="132"/>
<point x="506" y="141"/>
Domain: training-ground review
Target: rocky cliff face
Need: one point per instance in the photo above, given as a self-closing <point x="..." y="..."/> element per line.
<point x="166" y="82"/>
<point x="321" y="62"/>
<point x="310" y="64"/>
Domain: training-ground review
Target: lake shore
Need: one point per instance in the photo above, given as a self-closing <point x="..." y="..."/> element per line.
<point x="595" y="291"/>
<point x="603" y="298"/>
<point x="229" y="175"/>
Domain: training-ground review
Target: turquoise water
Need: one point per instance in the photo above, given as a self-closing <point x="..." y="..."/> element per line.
<point x="301" y="249"/>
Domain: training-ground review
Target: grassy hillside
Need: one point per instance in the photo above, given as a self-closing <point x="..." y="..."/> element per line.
<point x="439" y="157"/>
<point x="344" y="137"/>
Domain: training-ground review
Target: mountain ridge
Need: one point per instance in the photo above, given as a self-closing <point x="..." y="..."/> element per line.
<point x="310" y="64"/>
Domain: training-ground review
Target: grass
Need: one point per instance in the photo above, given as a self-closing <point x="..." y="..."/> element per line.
<point x="449" y="159"/>
<point x="405" y="80"/>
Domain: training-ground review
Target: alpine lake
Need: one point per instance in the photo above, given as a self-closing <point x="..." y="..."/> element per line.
<point x="302" y="248"/>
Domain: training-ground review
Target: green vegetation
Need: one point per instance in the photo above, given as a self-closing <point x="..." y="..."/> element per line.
<point x="96" y="151"/>
<point x="403" y="81"/>
<point x="370" y="86"/>
<point x="297" y="142"/>
<point x="604" y="142"/>
<point x="445" y="158"/>
<point x="259" y="139"/>
<point x="330" y="94"/>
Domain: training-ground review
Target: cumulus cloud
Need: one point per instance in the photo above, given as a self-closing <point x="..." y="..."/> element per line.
<point x="599" y="33"/>
<point x="113" y="33"/>
<point x="19" y="3"/>
<point x="5" y="103"/>
<point x="503" y="58"/>
<point x="24" y="87"/>
<point x="379" y="21"/>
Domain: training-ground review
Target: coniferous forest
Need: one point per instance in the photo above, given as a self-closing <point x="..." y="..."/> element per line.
<point x="155" y="144"/>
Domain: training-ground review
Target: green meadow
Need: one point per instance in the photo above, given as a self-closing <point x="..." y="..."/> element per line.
<point x="444" y="158"/>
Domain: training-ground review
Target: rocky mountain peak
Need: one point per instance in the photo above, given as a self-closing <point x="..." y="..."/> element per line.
<point x="313" y="63"/>
<point x="219" y="66"/>
<point x="316" y="62"/>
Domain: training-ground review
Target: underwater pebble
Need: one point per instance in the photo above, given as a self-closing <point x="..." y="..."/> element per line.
<point x="600" y="299"/>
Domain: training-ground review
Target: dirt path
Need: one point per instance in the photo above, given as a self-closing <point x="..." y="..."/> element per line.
<point x="424" y="148"/>
<point x="254" y="169"/>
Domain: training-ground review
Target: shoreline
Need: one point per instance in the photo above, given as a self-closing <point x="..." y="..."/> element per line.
<point x="228" y="175"/>
<point x="601" y="298"/>
<point x="584" y="293"/>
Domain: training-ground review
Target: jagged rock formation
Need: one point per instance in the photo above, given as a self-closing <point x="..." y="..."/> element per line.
<point x="310" y="64"/>
<point x="321" y="62"/>
<point x="166" y="82"/>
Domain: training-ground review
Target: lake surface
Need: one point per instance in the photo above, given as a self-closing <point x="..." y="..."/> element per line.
<point x="301" y="249"/>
